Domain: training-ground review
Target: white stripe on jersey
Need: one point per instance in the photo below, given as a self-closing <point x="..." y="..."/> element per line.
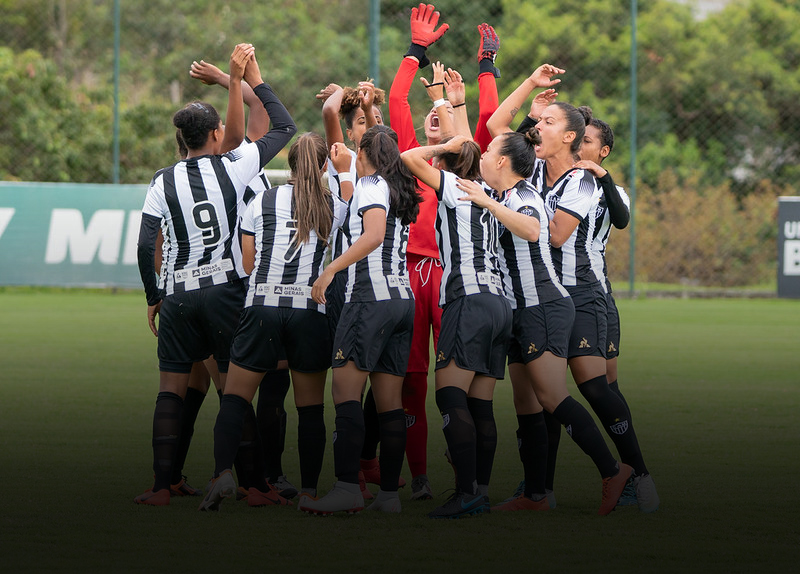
<point x="284" y="272"/>
<point x="601" y="234"/>
<point x="529" y="277"/>
<point x="467" y="237"/>
<point x="382" y="274"/>
<point x="199" y="200"/>
<point x="576" y="192"/>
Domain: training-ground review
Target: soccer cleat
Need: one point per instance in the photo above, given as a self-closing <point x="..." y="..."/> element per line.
<point x="628" y="496"/>
<point x="517" y="493"/>
<point x="646" y="493"/>
<point x="241" y="494"/>
<point x="344" y="497"/>
<point x="150" y="498"/>
<point x="613" y="487"/>
<point x="221" y="487"/>
<point x="372" y="472"/>
<point x="460" y="504"/>
<point x="257" y="498"/>
<point x="305" y="497"/>
<point x="285" y="488"/>
<point x="184" y="489"/>
<point x="522" y="503"/>
<point x="386" y="502"/>
<point x="362" y="483"/>
<point x="421" y="488"/>
<point x="551" y="498"/>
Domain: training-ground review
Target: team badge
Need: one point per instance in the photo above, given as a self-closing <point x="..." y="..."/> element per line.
<point x="410" y="420"/>
<point x="619" y="428"/>
<point x="445" y="420"/>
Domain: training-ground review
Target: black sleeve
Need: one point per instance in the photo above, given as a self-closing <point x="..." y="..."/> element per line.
<point x="619" y="212"/>
<point x="526" y="124"/>
<point x="148" y="231"/>
<point x="282" y="129"/>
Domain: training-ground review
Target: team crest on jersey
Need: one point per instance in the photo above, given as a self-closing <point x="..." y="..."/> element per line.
<point x="611" y="348"/>
<point x="410" y="420"/>
<point x="445" y="420"/>
<point x="584" y="344"/>
<point x="532" y="349"/>
<point x="620" y="427"/>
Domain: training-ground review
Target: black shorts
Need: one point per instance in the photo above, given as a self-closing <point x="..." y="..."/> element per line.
<point x="612" y="330"/>
<point x="588" y="337"/>
<point x="334" y="300"/>
<point x="267" y="335"/>
<point x="543" y="327"/>
<point x="475" y="333"/>
<point x="196" y="324"/>
<point x="376" y="335"/>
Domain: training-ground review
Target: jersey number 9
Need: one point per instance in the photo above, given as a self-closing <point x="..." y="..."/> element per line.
<point x="205" y="217"/>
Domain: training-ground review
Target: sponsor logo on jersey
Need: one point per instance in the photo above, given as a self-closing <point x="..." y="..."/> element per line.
<point x="489" y="279"/>
<point x="584" y="344"/>
<point x="283" y="290"/>
<point x="220" y="266"/>
<point x="398" y="281"/>
<point x="620" y="427"/>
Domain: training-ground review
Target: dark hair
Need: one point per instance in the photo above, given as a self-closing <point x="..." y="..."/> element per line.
<point x="182" y="150"/>
<point x="518" y="147"/>
<point x="606" y="133"/>
<point x="351" y="101"/>
<point x="195" y="121"/>
<point x="577" y="120"/>
<point x="379" y="145"/>
<point x="466" y="164"/>
<point x="311" y="200"/>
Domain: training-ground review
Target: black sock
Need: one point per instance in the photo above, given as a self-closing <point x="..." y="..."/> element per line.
<point x="485" y="438"/>
<point x="272" y="418"/>
<point x="553" y="439"/>
<point x="459" y="432"/>
<point x="310" y="443"/>
<point x="393" y="447"/>
<point x="580" y="426"/>
<point x="615" y="388"/>
<point x="166" y="434"/>
<point x="228" y="432"/>
<point x="348" y="440"/>
<point x="191" y="406"/>
<point x="613" y="414"/>
<point x="372" y="430"/>
<point x="251" y="470"/>
<point x="532" y="441"/>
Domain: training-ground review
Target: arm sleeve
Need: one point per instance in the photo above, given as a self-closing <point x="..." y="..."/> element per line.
<point x="526" y="124"/>
<point x="283" y="127"/>
<point x="146" y="248"/>
<point x="487" y="104"/>
<point x="400" y="118"/>
<point x="619" y="212"/>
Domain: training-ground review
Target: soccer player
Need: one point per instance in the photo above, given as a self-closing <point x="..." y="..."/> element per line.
<point x="476" y="321"/>
<point x="198" y="198"/>
<point x="285" y="242"/>
<point x="374" y="332"/>
<point x="614" y="209"/>
<point x="543" y="315"/>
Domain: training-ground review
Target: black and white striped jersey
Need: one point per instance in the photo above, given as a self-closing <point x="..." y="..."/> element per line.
<point x="529" y="277"/>
<point x="382" y="274"/>
<point x="258" y="184"/>
<point x="338" y="241"/>
<point x="601" y="235"/>
<point x="467" y="237"/>
<point x="576" y="192"/>
<point x="199" y="201"/>
<point x="284" y="271"/>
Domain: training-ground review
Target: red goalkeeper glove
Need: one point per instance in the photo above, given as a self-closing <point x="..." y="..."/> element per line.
<point x="487" y="49"/>
<point x="423" y="31"/>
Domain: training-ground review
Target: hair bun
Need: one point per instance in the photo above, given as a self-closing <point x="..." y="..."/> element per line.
<point x="533" y="137"/>
<point x="586" y="112"/>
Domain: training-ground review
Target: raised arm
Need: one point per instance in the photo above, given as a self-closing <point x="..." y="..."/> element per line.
<point x="435" y="92"/>
<point x="417" y="159"/>
<point x="487" y="82"/>
<point x="331" y="95"/>
<point x="501" y="119"/>
<point x="517" y="222"/>
<point x="457" y="95"/>
<point x="234" y="120"/>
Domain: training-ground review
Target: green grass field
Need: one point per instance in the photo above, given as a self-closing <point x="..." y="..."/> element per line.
<point x="714" y="387"/>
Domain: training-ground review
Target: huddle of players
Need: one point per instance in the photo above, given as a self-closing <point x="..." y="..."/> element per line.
<point x="521" y="234"/>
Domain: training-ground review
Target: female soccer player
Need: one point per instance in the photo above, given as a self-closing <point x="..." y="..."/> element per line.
<point x="285" y="242"/>
<point x="374" y="332"/>
<point x="198" y="200"/>
<point x="543" y="315"/>
<point x="476" y="321"/>
<point x="571" y="198"/>
<point x="614" y="209"/>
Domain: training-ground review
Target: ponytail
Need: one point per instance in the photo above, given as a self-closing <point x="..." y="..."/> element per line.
<point x="310" y="199"/>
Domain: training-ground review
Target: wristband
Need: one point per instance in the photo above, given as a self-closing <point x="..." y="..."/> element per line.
<point x="486" y="66"/>
<point x="439" y="102"/>
<point x="346" y="176"/>
<point x="459" y="105"/>
<point x="418" y="52"/>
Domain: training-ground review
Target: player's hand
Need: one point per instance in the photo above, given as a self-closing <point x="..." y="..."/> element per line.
<point x="252" y="73"/>
<point x="366" y="95"/>
<point x="436" y="89"/>
<point x="239" y="59"/>
<point x="320" y="286"/>
<point x="473" y="192"/>
<point x="456" y="90"/>
<point x="489" y="43"/>
<point x="542" y="77"/>
<point x="207" y="73"/>
<point x="423" y="25"/>
<point x="591" y="167"/>
<point x="455" y="144"/>
<point x="341" y="158"/>
<point x="328" y="91"/>
<point x="152" y="311"/>
<point x="541" y="101"/>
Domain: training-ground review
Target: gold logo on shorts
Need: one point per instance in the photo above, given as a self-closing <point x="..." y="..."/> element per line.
<point x="339" y="355"/>
<point x="440" y="356"/>
<point x="532" y="349"/>
<point x="611" y="348"/>
<point x="584" y="344"/>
